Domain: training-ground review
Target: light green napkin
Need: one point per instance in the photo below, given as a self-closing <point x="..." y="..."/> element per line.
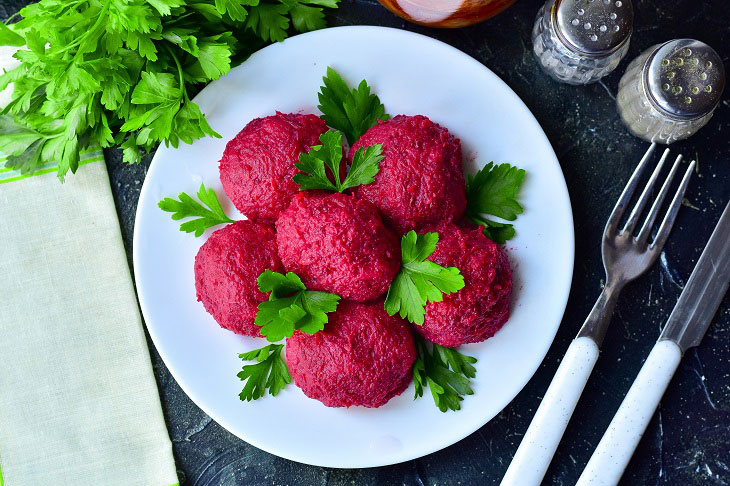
<point x="78" y="399"/>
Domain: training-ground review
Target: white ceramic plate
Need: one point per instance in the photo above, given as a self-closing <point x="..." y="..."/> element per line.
<point x="411" y="74"/>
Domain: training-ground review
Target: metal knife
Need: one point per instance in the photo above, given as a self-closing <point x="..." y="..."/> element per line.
<point x="685" y="328"/>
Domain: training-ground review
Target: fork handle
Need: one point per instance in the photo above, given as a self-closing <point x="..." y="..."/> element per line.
<point x="614" y="451"/>
<point x="538" y="446"/>
<point x="548" y="425"/>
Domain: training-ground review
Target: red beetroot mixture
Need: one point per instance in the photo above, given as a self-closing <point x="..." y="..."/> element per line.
<point x="227" y="267"/>
<point x="363" y="357"/>
<point x="258" y="164"/>
<point x="481" y="308"/>
<point x="337" y="243"/>
<point x="421" y="179"/>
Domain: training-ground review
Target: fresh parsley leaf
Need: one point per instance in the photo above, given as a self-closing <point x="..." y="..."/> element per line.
<point x="187" y="207"/>
<point x="493" y="191"/>
<point x="459" y="363"/>
<point x="215" y="59"/>
<point x="28" y="160"/>
<point x="291" y="306"/>
<point x="314" y="164"/>
<point x="234" y="8"/>
<point x="328" y="154"/>
<point x="14" y="138"/>
<point x="269" y="373"/>
<point x="8" y="37"/>
<point x="322" y="3"/>
<point x="445" y="371"/>
<point x="306" y="18"/>
<point x="156" y="88"/>
<point x="269" y="21"/>
<point x="497" y="232"/>
<point x="164" y="7"/>
<point x="353" y="111"/>
<point x="365" y="166"/>
<point x="420" y="281"/>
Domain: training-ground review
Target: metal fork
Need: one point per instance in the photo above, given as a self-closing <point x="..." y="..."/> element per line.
<point x="626" y="255"/>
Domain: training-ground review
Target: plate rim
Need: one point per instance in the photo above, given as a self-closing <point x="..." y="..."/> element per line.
<point x="436" y="445"/>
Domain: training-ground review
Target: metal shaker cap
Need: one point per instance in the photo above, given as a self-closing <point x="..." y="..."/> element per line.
<point x="684" y="78"/>
<point x="593" y="28"/>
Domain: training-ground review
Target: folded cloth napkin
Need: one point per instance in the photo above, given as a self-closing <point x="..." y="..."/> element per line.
<point x="78" y="399"/>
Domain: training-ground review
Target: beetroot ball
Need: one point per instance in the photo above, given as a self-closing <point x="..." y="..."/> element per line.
<point x="481" y="308"/>
<point x="337" y="243"/>
<point x="421" y="179"/>
<point x="362" y="357"/>
<point x="258" y="164"/>
<point x="227" y="268"/>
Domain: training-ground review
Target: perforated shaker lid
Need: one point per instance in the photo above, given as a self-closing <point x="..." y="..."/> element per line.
<point x="593" y="27"/>
<point x="685" y="78"/>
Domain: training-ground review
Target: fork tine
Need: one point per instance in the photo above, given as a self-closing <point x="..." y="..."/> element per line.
<point x="644" y="198"/>
<point x="654" y="211"/>
<point x="623" y="201"/>
<point x="668" y="221"/>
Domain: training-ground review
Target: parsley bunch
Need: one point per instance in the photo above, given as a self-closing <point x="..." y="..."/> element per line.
<point x="445" y="371"/>
<point x="122" y="72"/>
<point x="493" y="191"/>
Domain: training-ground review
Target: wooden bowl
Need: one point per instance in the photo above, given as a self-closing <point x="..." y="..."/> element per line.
<point x="446" y="13"/>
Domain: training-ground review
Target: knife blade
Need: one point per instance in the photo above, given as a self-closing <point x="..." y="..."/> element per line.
<point x="704" y="290"/>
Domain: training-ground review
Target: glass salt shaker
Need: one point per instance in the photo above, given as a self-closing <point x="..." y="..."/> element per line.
<point x="671" y="90"/>
<point x="580" y="41"/>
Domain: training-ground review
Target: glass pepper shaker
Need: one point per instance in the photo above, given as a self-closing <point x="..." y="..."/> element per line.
<point x="580" y="41"/>
<point x="671" y="90"/>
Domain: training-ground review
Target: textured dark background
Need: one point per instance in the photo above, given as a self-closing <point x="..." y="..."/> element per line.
<point x="688" y="441"/>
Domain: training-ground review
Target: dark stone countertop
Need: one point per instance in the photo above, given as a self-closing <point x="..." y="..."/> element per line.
<point x="688" y="440"/>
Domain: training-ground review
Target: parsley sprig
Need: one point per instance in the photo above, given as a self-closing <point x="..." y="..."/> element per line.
<point x="420" y="281"/>
<point x="122" y="73"/>
<point x="291" y="306"/>
<point x="445" y="371"/>
<point x="328" y="155"/>
<point x="493" y="191"/>
<point x="353" y="111"/>
<point x="269" y="373"/>
<point x="187" y="207"/>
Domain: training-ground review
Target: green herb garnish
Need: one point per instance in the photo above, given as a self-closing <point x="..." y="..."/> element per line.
<point x="187" y="207"/>
<point x="445" y="371"/>
<point x="269" y="373"/>
<point x="420" y="281"/>
<point x="493" y="191"/>
<point x="8" y="37"/>
<point x="122" y="73"/>
<point x="291" y="306"/>
<point x="314" y="164"/>
<point x="352" y="111"/>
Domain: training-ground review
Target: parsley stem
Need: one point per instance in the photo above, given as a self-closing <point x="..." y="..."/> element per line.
<point x="179" y="72"/>
<point x="101" y="17"/>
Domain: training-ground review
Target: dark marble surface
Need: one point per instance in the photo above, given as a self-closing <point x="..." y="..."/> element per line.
<point x="688" y="440"/>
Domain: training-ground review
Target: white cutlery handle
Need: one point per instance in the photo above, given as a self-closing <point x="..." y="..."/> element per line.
<point x="615" y="449"/>
<point x="546" y="429"/>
